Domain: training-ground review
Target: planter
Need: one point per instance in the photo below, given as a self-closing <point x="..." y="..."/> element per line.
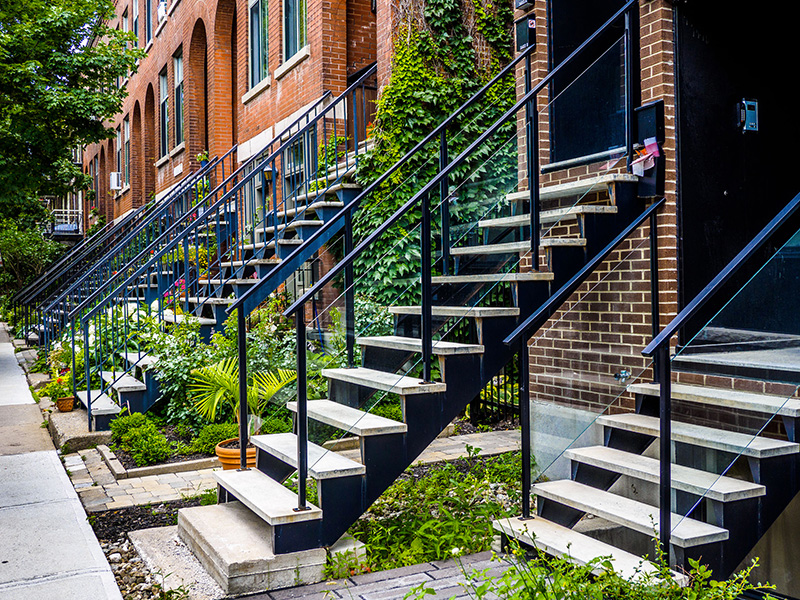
<point x="229" y="457"/>
<point x="65" y="404"/>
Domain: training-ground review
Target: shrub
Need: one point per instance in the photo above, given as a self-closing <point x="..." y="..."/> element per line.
<point x="213" y="434"/>
<point x="122" y="424"/>
<point x="146" y="444"/>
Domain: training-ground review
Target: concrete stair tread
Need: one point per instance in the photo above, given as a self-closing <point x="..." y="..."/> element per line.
<point x="247" y="281"/>
<point x="252" y="262"/>
<point x="102" y="404"/>
<point x="694" y="481"/>
<point x="707" y="437"/>
<point x="140" y="359"/>
<point x="384" y="381"/>
<point x="123" y="382"/>
<point x="266" y="497"/>
<point x="314" y="206"/>
<point x="210" y="300"/>
<point x="634" y="515"/>
<point x="494" y="277"/>
<point x="516" y="247"/>
<point x="170" y="317"/>
<point x="576" y="188"/>
<point x="327" y="190"/>
<point x="752" y="401"/>
<point x="556" y="540"/>
<point x="550" y="216"/>
<point x="560" y="242"/>
<point x="477" y="312"/>
<point x="440" y="347"/>
<point x="349" y="419"/>
<point x="322" y="463"/>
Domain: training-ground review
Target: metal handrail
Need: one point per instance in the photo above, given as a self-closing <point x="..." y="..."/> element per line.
<point x="439" y="177"/>
<point x="220" y="202"/>
<point x="290" y="264"/>
<point x="723" y="277"/>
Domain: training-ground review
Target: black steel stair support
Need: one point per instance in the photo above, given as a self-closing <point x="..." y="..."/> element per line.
<point x="532" y="149"/>
<point x="525" y="422"/>
<point x="349" y="292"/>
<point x="243" y="429"/>
<point x="444" y="196"/>
<point x="427" y="289"/>
<point x="665" y="448"/>
<point x="302" y="411"/>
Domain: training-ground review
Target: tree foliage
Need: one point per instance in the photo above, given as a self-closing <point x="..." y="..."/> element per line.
<point x="25" y="253"/>
<point x="59" y="63"/>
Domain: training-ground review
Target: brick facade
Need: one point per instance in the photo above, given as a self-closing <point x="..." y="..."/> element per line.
<point x="220" y="109"/>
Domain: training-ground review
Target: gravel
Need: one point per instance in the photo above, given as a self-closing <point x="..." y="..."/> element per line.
<point x="133" y="578"/>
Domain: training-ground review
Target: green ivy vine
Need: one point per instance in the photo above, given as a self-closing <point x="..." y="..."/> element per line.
<point x="435" y="69"/>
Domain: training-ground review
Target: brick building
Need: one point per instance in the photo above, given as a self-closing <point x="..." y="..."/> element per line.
<point x="219" y="74"/>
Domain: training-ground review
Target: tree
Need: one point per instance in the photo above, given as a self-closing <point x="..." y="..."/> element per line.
<point x="59" y="66"/>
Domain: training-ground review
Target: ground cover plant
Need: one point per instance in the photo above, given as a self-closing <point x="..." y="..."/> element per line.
<point x="433" y="508"/>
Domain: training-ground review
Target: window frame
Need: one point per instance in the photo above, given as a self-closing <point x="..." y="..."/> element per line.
<point x="126" y="139"/>
<point x="118" y="151"/>
<point x="178" y="76"/>
<point x="148" y="24"/>
<point x="135" y="21"/>
<point x="258" y="70"/>
<point x="163" y="113"/>
<point x="295" y="21"/>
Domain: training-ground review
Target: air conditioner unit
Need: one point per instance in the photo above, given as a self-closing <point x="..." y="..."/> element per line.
<point x="116" y="180"/>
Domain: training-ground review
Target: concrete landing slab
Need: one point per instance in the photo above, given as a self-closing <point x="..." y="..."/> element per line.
<point x="71" y="429"/>
<point x="173" y="563"/>
<point x="235" y="547"/>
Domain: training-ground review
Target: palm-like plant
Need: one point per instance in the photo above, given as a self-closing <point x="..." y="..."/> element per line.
<point x="218" y="385"/>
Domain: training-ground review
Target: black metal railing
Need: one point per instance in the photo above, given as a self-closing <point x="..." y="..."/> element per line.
<point x="421" y="201"/>
<point x="717" y="291"/>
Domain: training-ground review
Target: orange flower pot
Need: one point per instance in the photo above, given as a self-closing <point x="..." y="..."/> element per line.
<point x="230" y="457"/>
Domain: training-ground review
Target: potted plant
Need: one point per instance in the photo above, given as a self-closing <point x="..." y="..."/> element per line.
<point x="202" y="158"/>
<point x="60" y="392"/>
<point x="217" y="385"/>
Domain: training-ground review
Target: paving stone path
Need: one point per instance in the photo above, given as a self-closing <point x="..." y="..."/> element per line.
<point x="98" y="490"/>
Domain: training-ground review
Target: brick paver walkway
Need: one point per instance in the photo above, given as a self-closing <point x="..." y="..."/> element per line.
<point x="98" y="490"/>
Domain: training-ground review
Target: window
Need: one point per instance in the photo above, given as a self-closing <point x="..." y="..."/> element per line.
<point x="163" y="111"/>
<point x="118" y="150"/>
<point x="177" y="63"/>
<point x="96" y="179"/>
<point x="148" y="21"/>
<point x="125" y="29"/>
<point x="259" y="45"/>
<point x="135" y="17"/>
<point x="126" y="132"/>
<point x="294" y="27"/>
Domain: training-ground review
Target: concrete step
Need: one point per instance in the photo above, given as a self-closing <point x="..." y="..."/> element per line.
<point x="547" y="217"/>
<point x="440" y="347"/>
<point x="629" y="513"/>
<point x="313" y="207"/>
<point x="217" y="281"/>
<point x="555" y="540"/>
<point x="170" y="317"/>
<point x="686" y="479"/>
<point x="140" y="359"/>
<point x="101" y="403"/>
<point x="761" y="403"/>
<point x="705" y="437"/>
<point x="494" y="277"/>
<point x="516" y="247"/>
<point x="322" y="193"/>
<point x="210" y="300"/>
<point x="122" y="383"/>
<point x="562" y="242"/>
<point x="386" y="382"/>
<point x="477" y="312"/>
<point x="322" y="463"/>
<point x="348" y="419"/>
<point x="253" y="262"/>
<point x="576" y="188"/>
<point x="266" y="497"/>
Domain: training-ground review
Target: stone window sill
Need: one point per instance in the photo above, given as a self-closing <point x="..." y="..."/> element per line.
<point x="172" y="7"/>
<point x="177" y="150"/>
<point x="295" y="60"/>
<point x="162" y="161"/>
<point x="161" y="25"/>
<point x="257" y="89"/>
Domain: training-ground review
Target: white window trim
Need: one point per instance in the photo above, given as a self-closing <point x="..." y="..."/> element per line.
<point x="161" y="25"/>
<point x="256" y="89"/>
<point x="172" y="7"/>
<point x="295" y="60"/>
<point x="177" y="150"/>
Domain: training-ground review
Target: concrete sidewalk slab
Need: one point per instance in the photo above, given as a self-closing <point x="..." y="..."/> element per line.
<point x="13" y="385"/>
<point x="21" y="430"/>
<point x="32" y="478"/>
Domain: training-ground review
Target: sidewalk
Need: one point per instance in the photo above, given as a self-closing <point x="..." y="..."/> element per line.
<point x="48" y="551"/>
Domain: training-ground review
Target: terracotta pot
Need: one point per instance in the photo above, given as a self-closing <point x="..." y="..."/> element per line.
<point x="229" y="457"/>
<point x="65" y="404"/>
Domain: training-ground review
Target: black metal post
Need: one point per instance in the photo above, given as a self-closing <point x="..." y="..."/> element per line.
<point x="87" y="362"/>
<point x="665" y="456"/>
<point x="655" y="315"/>
<point x="302" y="409"/>
<point x="532" y="149"/>
<point x="243" y="429"/>
<point x="427" y="310"/>
<point x="349" y="292"/>
<point x="525" y="423"/>
<point x="629" y="57"/>
<point x="444" y="194"/>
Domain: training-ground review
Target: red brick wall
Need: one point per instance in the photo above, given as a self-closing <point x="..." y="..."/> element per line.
<point x="213" y="37"/>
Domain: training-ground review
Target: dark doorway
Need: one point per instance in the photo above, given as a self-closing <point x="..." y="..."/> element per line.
<point x="587" y="111"/>
<point x="731" y="183"/>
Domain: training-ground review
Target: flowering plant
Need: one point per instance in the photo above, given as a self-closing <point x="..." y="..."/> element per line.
<point x="60" y="387"/>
